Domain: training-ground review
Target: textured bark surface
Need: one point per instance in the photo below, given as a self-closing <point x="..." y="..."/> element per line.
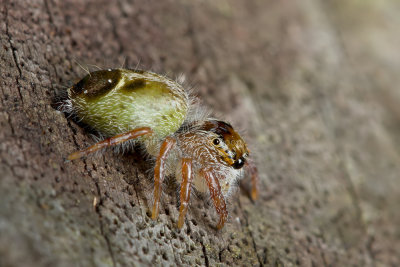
<point x="314" y="84"/>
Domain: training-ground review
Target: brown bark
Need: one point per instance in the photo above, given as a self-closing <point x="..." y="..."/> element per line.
<point x="313" y="83"/>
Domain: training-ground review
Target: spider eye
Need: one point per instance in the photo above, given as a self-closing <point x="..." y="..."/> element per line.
<point x="216" y="141"/>
<point x="239" y="163"/>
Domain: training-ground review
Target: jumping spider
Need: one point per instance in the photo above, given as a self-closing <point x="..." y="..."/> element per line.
<point x="139" y="106"/>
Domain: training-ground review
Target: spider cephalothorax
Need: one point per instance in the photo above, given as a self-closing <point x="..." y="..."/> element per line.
<point x="231" y="147"/>
<point x="156" y="111"/>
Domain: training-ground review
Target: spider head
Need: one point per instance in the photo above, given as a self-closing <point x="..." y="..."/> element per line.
<point x="229" y="145"/>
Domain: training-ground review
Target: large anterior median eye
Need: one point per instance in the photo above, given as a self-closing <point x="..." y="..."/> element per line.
<point x="239" y="163"/>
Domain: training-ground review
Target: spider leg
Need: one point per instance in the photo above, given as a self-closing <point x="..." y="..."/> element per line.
<point x="252" y="168"/>
<point x="111" y="141"/>
<point x="217" y="197"/>
<point x="166" y="147"/>
<point x="187" y="177"/>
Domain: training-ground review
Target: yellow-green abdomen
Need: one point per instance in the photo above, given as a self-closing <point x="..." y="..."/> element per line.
<point x="116" y="101"/>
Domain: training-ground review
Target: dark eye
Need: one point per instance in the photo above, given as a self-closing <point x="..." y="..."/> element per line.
<point x="216" y="141"/>
<point x="239" y="163"/>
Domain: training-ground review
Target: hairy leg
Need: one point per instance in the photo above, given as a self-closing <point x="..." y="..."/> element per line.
<point x="217" y="197"/>
<point x="115" y="140"/>
<point x="186" y="186"/>
<point x="166" y="147"/>
<point x="252" y="168"/>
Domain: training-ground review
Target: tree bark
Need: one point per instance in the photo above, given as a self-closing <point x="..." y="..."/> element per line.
<point x="314" y="84"/>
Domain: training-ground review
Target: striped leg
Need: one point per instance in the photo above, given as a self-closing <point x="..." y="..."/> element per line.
<point x="217" y="197"/>
<point x="115" y="140"/>
<point x="252" y="168"/>
<point x="166" y="147"/>
<point x="186" y="186"/>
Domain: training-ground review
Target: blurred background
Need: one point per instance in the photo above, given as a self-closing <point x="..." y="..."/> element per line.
<point x="313" y="85"/>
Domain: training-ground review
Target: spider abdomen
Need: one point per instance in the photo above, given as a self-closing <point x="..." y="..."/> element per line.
<point x="115" y="101"/>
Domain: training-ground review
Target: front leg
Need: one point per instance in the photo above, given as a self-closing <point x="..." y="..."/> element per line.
<point x="216" y="195"/>
<point x="252" y="168"/>
<point x="159" y="174"/>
